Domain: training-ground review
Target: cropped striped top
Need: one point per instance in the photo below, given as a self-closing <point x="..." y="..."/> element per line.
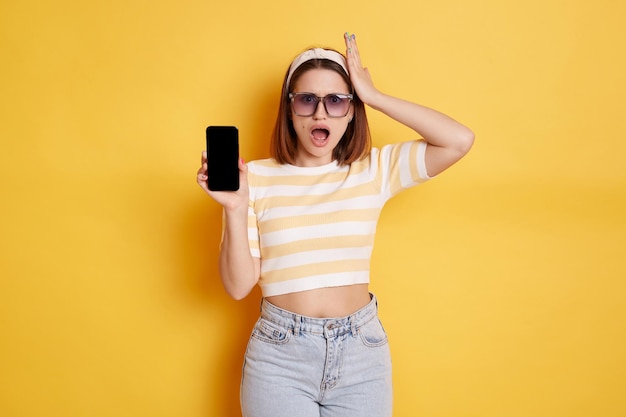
<point x="313" y="227"/>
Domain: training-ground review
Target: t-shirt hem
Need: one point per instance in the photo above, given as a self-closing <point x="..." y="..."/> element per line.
<point x="311" y="283"/>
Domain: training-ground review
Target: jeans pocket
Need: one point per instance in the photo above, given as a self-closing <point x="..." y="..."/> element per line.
<point x="269" y="332"/>
<point x="373" y="334"/>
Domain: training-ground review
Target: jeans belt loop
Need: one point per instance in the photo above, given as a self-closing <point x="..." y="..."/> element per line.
<point x="353" y="321"/>
<point x="296" y="328"/>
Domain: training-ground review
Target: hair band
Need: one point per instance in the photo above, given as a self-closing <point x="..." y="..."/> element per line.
<point x="316" y="53"/>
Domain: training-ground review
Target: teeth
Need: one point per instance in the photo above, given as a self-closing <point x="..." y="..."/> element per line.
<point x="320" y="134"/>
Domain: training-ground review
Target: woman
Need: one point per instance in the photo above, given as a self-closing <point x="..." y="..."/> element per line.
<point x="302" y="226"/>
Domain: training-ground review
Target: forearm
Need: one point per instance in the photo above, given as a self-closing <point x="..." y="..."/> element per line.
<point x="450" y="139"/>
<point x="435" y="128"/>
<point x="238" y="269"/>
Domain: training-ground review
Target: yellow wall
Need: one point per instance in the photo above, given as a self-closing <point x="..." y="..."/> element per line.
<point x="501" y="282"/>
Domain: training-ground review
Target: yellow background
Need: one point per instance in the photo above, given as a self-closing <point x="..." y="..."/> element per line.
<point x="501" y="282"/>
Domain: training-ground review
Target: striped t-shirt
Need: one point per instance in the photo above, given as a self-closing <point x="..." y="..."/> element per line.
<point x="314" y="227"/>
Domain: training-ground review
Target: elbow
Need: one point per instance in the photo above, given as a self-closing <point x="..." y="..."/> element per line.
<point x="462" y="145"/>
<point x="456" y="147"/>
<point x="238" y="294"/>
<point x="465" y="141"/>
<point x="238" y="282"/>
<point x="238" y="289"/>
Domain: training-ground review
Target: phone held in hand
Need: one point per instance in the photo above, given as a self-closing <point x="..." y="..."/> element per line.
<point x="222" y="144"/>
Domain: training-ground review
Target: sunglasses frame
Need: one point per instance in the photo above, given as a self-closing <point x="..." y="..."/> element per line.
<point x="292" y="97"/>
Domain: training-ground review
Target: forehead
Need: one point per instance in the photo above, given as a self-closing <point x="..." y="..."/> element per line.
<point x="321" y="82"/>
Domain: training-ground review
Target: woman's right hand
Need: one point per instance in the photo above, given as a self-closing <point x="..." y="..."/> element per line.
<point x="230" y="200"/>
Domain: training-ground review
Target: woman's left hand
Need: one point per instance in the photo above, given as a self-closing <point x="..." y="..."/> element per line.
<point x="359" y="76"/>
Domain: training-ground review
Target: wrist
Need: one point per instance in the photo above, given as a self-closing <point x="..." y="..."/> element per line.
<point x="373" y="99"/>
<point x="235" y="210"/>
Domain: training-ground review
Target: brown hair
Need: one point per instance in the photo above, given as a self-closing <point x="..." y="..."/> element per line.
<point x="355" y="143"/>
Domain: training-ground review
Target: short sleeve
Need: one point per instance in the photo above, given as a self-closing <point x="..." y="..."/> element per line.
<point x="253" y="233"/>
<point x="402" y="165"/>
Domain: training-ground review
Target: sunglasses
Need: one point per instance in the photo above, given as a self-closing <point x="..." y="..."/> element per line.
<point x="305" y="104"/>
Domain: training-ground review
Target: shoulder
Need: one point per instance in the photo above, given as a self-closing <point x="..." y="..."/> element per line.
<point x="263" y="166"/>
<point x="266" y="172"/>
<point x="402" y="150"/>
<point x="269" y="162"/>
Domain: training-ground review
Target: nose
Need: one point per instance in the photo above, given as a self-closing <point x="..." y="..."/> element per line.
<point x="320" y="110"/>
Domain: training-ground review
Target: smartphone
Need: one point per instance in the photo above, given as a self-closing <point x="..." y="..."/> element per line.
<point x="222" y="145"/>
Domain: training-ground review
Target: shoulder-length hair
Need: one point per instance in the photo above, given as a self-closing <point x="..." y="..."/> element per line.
<point x="355" y="143"/>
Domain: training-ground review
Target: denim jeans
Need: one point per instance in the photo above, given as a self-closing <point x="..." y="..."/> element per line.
<point x="298" y="366"/>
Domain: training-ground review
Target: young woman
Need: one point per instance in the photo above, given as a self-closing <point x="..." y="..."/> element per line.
<point x="302" y="226"/>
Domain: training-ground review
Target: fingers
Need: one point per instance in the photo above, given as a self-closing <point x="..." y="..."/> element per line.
<point x="243" y="173"/>
<point x="352" y="51"/>
<point x="359" y="76"/>
<point x="201" y="175"/>
<point x="202" y="178"/>
<point x="357" y="73"/>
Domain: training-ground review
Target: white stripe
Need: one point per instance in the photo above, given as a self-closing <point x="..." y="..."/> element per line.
<point x="421" y="160"/>
<point x="359" y="203"/>
<point x="289" y="170"/>
<point x="295" y="234"/>
<point x="278" y="190"/>
<point x="316" y="257"/>
<point x="383" y="166"/>
<point x="313" y="282"/>
<point x="404" y="165"/>
<point x="253" y="233"/>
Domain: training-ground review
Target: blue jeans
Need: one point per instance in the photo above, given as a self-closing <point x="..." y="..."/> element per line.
<point x="298" y="366"/>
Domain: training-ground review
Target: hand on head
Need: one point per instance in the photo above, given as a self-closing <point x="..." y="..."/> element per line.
<point x="359" y="76"/>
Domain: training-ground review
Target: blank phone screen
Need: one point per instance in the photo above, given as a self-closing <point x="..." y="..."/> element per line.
<point x="223" y="158"/>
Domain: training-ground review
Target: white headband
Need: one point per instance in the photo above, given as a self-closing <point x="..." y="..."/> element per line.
<point x="316" y="53"/>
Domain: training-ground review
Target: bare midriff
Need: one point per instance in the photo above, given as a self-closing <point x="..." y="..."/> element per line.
<point x="329" y="302"/>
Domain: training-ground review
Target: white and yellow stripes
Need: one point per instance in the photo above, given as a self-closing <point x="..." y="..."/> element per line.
<point x="314" y="227"/>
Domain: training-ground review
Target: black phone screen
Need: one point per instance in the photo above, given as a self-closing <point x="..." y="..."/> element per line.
<point x="222" y="158"/>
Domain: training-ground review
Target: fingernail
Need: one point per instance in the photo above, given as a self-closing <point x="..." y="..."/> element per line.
<point x="353" y="36"/>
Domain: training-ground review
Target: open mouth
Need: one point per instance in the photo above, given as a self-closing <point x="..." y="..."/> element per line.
<point x="320" y="136"/>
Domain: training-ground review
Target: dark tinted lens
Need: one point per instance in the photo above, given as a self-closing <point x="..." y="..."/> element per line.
<point x="304" y="104"/>
<point x="336" y="106"/>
